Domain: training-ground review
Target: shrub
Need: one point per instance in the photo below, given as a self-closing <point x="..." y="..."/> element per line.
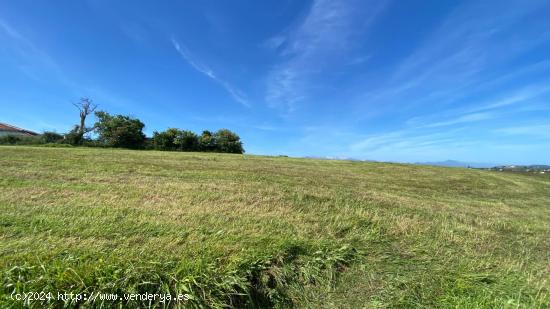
<point x="175" y="139"/>
<point x="9" y="140"/>
<point x="148" y="143"/>
<point x="13" y="139"/>
<point x="183" y="140"/>
<point x="207" y="141"/>
<point x="119" y="131"/>
<point x="51" y="137"/>
<point x="165" y="140"/>
<point x="228" y="141"/>
<point x="73" y="137"/>
<point x="187" y="141"/>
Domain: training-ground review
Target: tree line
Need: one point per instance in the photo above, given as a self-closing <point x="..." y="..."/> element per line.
<point x="122" y="131"/>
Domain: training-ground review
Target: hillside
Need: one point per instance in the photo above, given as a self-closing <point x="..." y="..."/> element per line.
<point x="269" y="232"/>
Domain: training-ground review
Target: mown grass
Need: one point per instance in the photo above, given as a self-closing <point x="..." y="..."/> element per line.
<point x="252" y="231"/>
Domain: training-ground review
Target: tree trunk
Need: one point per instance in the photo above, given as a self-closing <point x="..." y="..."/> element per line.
<point x="82" y="124"/>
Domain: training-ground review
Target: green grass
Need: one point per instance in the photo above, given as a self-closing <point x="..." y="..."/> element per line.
<point x="252" y="231"/>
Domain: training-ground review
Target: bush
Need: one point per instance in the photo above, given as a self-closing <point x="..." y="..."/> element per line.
<point x="13" y="139"/>
<point x="183" y="140"/>
<point x="73" y="137"/>
<point x="228" y="141"/>
<point x="175" y="139"/>
<point x="119" y="131"/>
<point x="187" y="141"/>
<point x="148" y="144"/>
<point x="9" y="140"/>
<point x="207" y="141"/>
<point x="51" y="137"/>
<point x="165" y="140"/>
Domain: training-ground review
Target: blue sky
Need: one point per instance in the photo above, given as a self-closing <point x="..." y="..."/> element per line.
<point x="382" y="80"/>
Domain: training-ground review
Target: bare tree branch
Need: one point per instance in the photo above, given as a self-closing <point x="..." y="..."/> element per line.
<point x="85" y="106"/>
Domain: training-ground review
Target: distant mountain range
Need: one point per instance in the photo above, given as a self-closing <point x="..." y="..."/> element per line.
<point x="492" y="166"/>
<point x="453" y="163"/>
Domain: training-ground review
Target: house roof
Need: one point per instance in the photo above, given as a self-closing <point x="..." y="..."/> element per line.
<point x="4" y="127"/>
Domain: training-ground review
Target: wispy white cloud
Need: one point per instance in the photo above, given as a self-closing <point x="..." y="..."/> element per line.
<point x="449" y="133"/>
<point x="462" y="119"/>
<point x="536" y="130"/>
<point x="418" y="144"/>
<point x="519" y="96"/>
<point x="6" y="28"/>
<point x="403" y="139"/>
<point x="274" y="42"/>
<point x="407" y="146"/>
<point x="235" y="93"/>
<point x="464" y="43"/>
<point x="317" y="43"/>
<point x="31" y="60"/>
<point x="458" y="58"/>
<point x="40" y="65"/>
<point x="516" y="100"/>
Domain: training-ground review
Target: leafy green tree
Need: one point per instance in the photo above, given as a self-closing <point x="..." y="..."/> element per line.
<point x="228" y="141"/>
<point x="165" y="140"/>
<point x="207" y="141"/>
<point x="187" y="141"/>
<point x="184" y="140"/>
<point x="119" y="131"/>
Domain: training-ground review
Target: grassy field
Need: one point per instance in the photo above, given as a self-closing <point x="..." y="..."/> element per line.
<point x="253" y="231"/>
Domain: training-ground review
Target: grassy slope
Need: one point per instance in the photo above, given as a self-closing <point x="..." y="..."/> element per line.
<point x="271" y="231"/>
